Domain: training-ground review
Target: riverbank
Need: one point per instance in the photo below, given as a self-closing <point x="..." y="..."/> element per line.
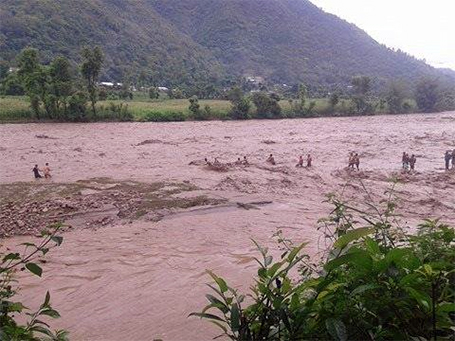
<point x="16" y="109"/>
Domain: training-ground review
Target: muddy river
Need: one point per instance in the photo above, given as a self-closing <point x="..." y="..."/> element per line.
<point x="139" y="281"/>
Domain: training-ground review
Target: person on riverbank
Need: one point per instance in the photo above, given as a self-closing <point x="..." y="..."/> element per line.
<point x="300" y="164"/>
<point x="271" y="159"/>
<point x="453" y="159"/>
<point x="36" y="172"/>
<point x="412" y="161"/>
<point x="447" y="158"/>
<point x="309" y="161"/>
<point x="245" y="161"/>
<point x="47" y="171"/>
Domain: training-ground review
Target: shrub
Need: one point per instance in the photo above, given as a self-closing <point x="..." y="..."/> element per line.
<point x="168" y="116"/>
<point x="117" y="112"/>
<point x="375" y="282"/>
<point x="10" y="263"/>
<point x="266" y="105"/>
<point x="77" y="107"/>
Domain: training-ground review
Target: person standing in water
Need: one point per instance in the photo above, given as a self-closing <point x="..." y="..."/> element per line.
<point x="357" y="161"/>
<point x="309" y="160"/>
<point x="453" y="159"/>
<point x="300" y="164"/>
<point x="271" y="159"/>
<point x="47" y="171"/>
<point x="447" y="158"/>
<point x="412" y="161"/>
<point x="405" y="160"/>
<point x="36" y="172"/>
<point x="351" y="160"/>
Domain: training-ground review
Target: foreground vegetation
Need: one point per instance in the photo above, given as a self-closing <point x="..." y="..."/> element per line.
<point x="376" y="281"/>
<point x="36" y="328"/>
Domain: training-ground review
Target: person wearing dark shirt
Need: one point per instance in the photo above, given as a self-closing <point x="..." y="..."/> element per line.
<point x="36" y="172"/>
<point x="412" y="161"/>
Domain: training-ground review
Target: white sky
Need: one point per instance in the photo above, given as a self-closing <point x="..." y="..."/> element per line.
<point x="423" y="28"/>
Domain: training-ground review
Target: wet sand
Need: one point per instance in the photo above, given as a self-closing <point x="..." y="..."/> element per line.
<point x="140" y="281"/>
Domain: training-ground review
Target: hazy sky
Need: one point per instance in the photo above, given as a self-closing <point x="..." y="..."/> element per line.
<point x="423" y="28"/>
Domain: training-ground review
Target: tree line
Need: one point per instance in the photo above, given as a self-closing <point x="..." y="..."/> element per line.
<point x="68" y="92"/>
<point x="59" y="91"/>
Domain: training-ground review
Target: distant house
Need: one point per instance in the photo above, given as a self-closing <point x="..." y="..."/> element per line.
<point x="110" y="85"/>
<point x="255" y="79"/>
<point x="107" y="84"/>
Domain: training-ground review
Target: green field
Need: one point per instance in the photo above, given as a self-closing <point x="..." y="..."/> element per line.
<point x="17" y="109"/>
<point x="141" y="109"/>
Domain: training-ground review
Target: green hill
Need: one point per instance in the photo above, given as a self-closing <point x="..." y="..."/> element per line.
<point x="187" y="41"/>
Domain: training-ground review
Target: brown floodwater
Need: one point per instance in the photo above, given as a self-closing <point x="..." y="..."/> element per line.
<point x="140" y="281"/>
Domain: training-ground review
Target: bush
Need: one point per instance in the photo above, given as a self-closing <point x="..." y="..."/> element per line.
<point x="168" y="116"/>
<point x="240" y="109"/>
<point x="116" y="112"/>
<point x="77" y="107"/>
<point x="375" y="282"/>
<point x="11" y="310"/>
<point x="266" y="105"/>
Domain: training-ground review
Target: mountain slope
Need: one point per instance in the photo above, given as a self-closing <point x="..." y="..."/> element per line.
<point x="190" y="41"/>
<point x="132" y="34"/>
<point x="287" y="40"/>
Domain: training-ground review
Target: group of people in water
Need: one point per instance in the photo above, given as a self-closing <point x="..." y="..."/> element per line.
<point x="46" y="171"/>
<point x="354" y="161"/>
<point x="408" y="162"/>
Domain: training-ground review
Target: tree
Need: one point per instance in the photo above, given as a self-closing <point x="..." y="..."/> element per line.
<point x="91" y="69"/>
<point x="4" y="70"/>
<point x="154" y="93"/>
<point x="240" y="104"/>
<point x="12" y="86"/>
<point x="334" y="99"/>
<point x="266" y="105"/>
<point x="426" y="94"/>
<point x="362" y="87"/>
<point x="395" y="97"/>
<point x="61" y="83"/>
<point x="32" y="76"/>
<point x="195" y="108"/>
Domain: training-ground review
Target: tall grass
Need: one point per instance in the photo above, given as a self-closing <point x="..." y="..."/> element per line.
<point x="15" y="109"/>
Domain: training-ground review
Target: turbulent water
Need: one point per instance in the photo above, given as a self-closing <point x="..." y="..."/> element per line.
<point x="140" y="281"/>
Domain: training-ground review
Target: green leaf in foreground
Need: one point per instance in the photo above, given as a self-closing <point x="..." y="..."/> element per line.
<point x="352" y="235"/>
<point x="34" y="269"/>
<point x="336" y="329"/>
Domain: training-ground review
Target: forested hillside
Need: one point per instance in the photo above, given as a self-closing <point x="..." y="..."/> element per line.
<point x="188" y="41"/>
<point x="133" y="37"/>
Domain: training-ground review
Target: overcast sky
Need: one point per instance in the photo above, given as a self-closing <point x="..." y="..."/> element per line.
<point x="423" y="28"/>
